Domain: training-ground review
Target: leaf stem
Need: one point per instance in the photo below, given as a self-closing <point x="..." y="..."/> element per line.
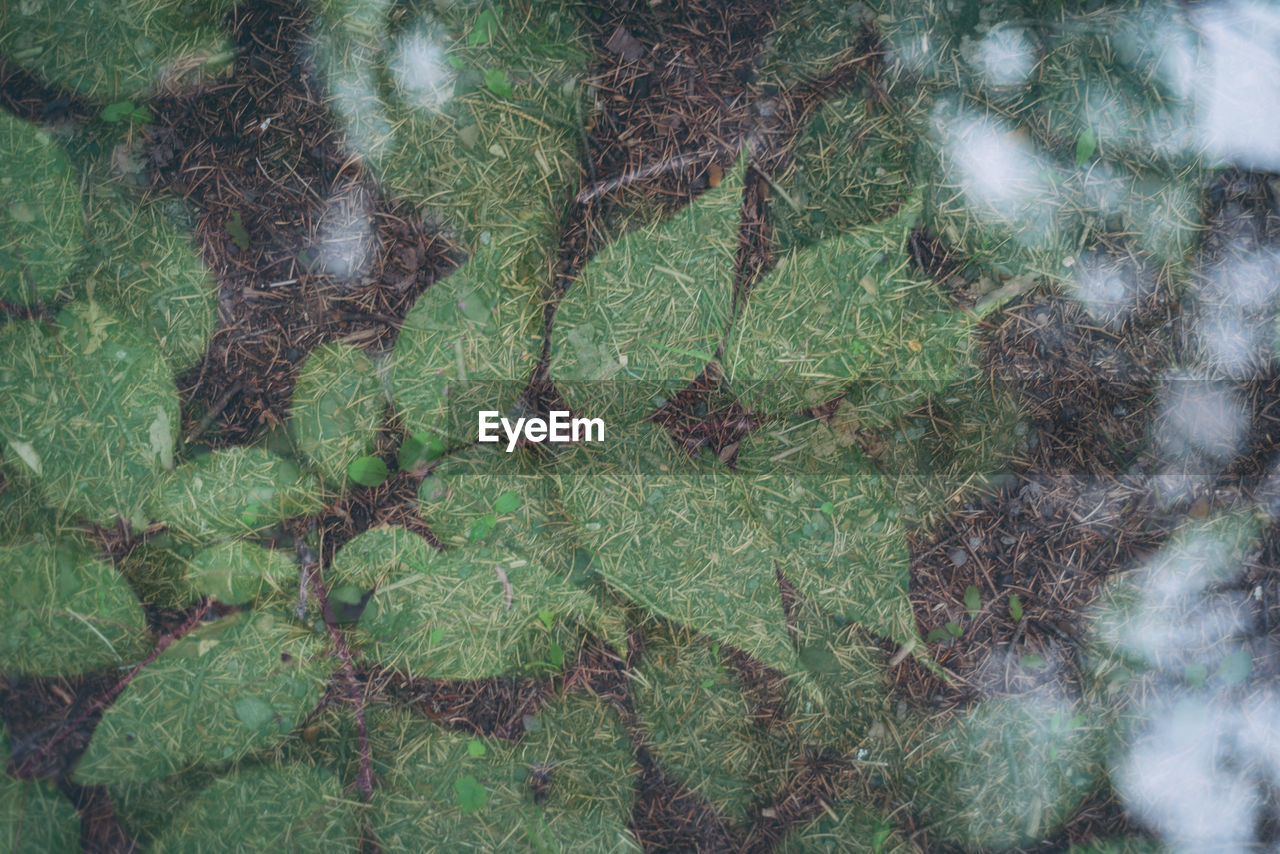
<point x="311" y="570"/>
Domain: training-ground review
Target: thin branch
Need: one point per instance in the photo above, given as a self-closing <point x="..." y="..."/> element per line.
<point x="29" y="764"/>
<point x="311" y="569"/>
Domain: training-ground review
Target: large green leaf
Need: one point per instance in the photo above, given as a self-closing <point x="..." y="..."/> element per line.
<point x="35" y="818"/>
<point x="226" y="689"/>
<point x="651" y="308"/>
<point x="837" y="537"/>
<point x="292" y="808"/>
<point x="516" y="511"/>
<point x="92" y="412"/>
<point x="236" y="573"/>
<point x="568" y="785"/>
<point x="700" y="726"/>
<point x="686" y="548"/>
<point x="234" y="492"/>
<point x="847" y="310"/>
<point x="41" y="213"/>
<point x="144" y="263"/>
<point x="113" y="49"/>
<point x="336" y="409"/>
<point x="850" y="167"/>
<point x="468" y="344"/>
<point x="66" y="612"/>
<point x="465" y="613"/>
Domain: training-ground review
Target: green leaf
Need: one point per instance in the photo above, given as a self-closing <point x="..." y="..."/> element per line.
<point x="1235" y="667"/>
<point x="665" y="542"/>
<point x="82" y="405"/>
<point x="1015" y="606"/>
<point x="470" y="793"/>
<point x="495" y="170"/>
<point x="468" y="344"/>
<point x="145" y="265"/>
<point x="367" y="471"/>
<point x="972" y="600"/>
<point x="546" y="617"/>
<point x="555" y="655"/>
<point x="853" y="561"/>
<point x="790" y="349"/>
<point x="507" y="502"/>
<point x="108" y="54"/>
<point x="954" y="629"/>
<point x="40" y="213"/>
<point x="237" y="573"/>
<point x="289" y="808"/>
<point x="466" y="613"/>
<point x="1086" y="145"/>
<point x="705" y="737"/>
<point x="66" y="612"/>
<point x="119" y="111"/>
<point x="336" y="410"/>
<point x="497" y="82"/>
<point x="1031" y="662"/>
<point x="850" y="168"/>
<point x="456" y="502"/>
<point x="233" y="492"/>
<point x="481" y="526"/>
<point x="484" y="30"/>
<point x="647" y="308"/>
<point x="35" y="818"/>
<point x="230" y="687"/>
<point x="421" y="448"/>
<point x="475" y="747"/>
<point x="237" y="232"/>
<point x="581" y="750"/>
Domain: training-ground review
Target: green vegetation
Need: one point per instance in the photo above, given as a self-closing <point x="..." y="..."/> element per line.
<point x="754" y="581"/>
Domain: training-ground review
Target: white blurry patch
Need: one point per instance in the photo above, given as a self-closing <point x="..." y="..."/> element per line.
<point x="345" y="248"/>
<point x="1237" y="85"/>
<point x="1173" y="618"/>
<point x="1203" y="752"/>
<point x="1236" y="312"/>
<point x="421" y="68"/>
<point x="1109" y="287"/>
<point x="1200" y="421"/>
<point x="1004" y="57"/>
<point x="1157" y="42"/>
<point x="1195" y="773"/>
<point x="346" y="49"/>
<point x="1003" y="178"/>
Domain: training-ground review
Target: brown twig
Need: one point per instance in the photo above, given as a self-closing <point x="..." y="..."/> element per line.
<point x="216" y="410"/>
<point x="32" y="762"/>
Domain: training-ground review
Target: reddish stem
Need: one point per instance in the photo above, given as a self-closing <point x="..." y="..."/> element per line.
<point x="29" y="764"/>
<point x="311" y="568"/>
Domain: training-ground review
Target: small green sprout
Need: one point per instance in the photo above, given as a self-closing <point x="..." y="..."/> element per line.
<point x="1015" y="606"/>
<point x="367" y="471"/>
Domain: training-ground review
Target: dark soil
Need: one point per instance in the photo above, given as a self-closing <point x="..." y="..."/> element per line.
<point x="678" y="99"/>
